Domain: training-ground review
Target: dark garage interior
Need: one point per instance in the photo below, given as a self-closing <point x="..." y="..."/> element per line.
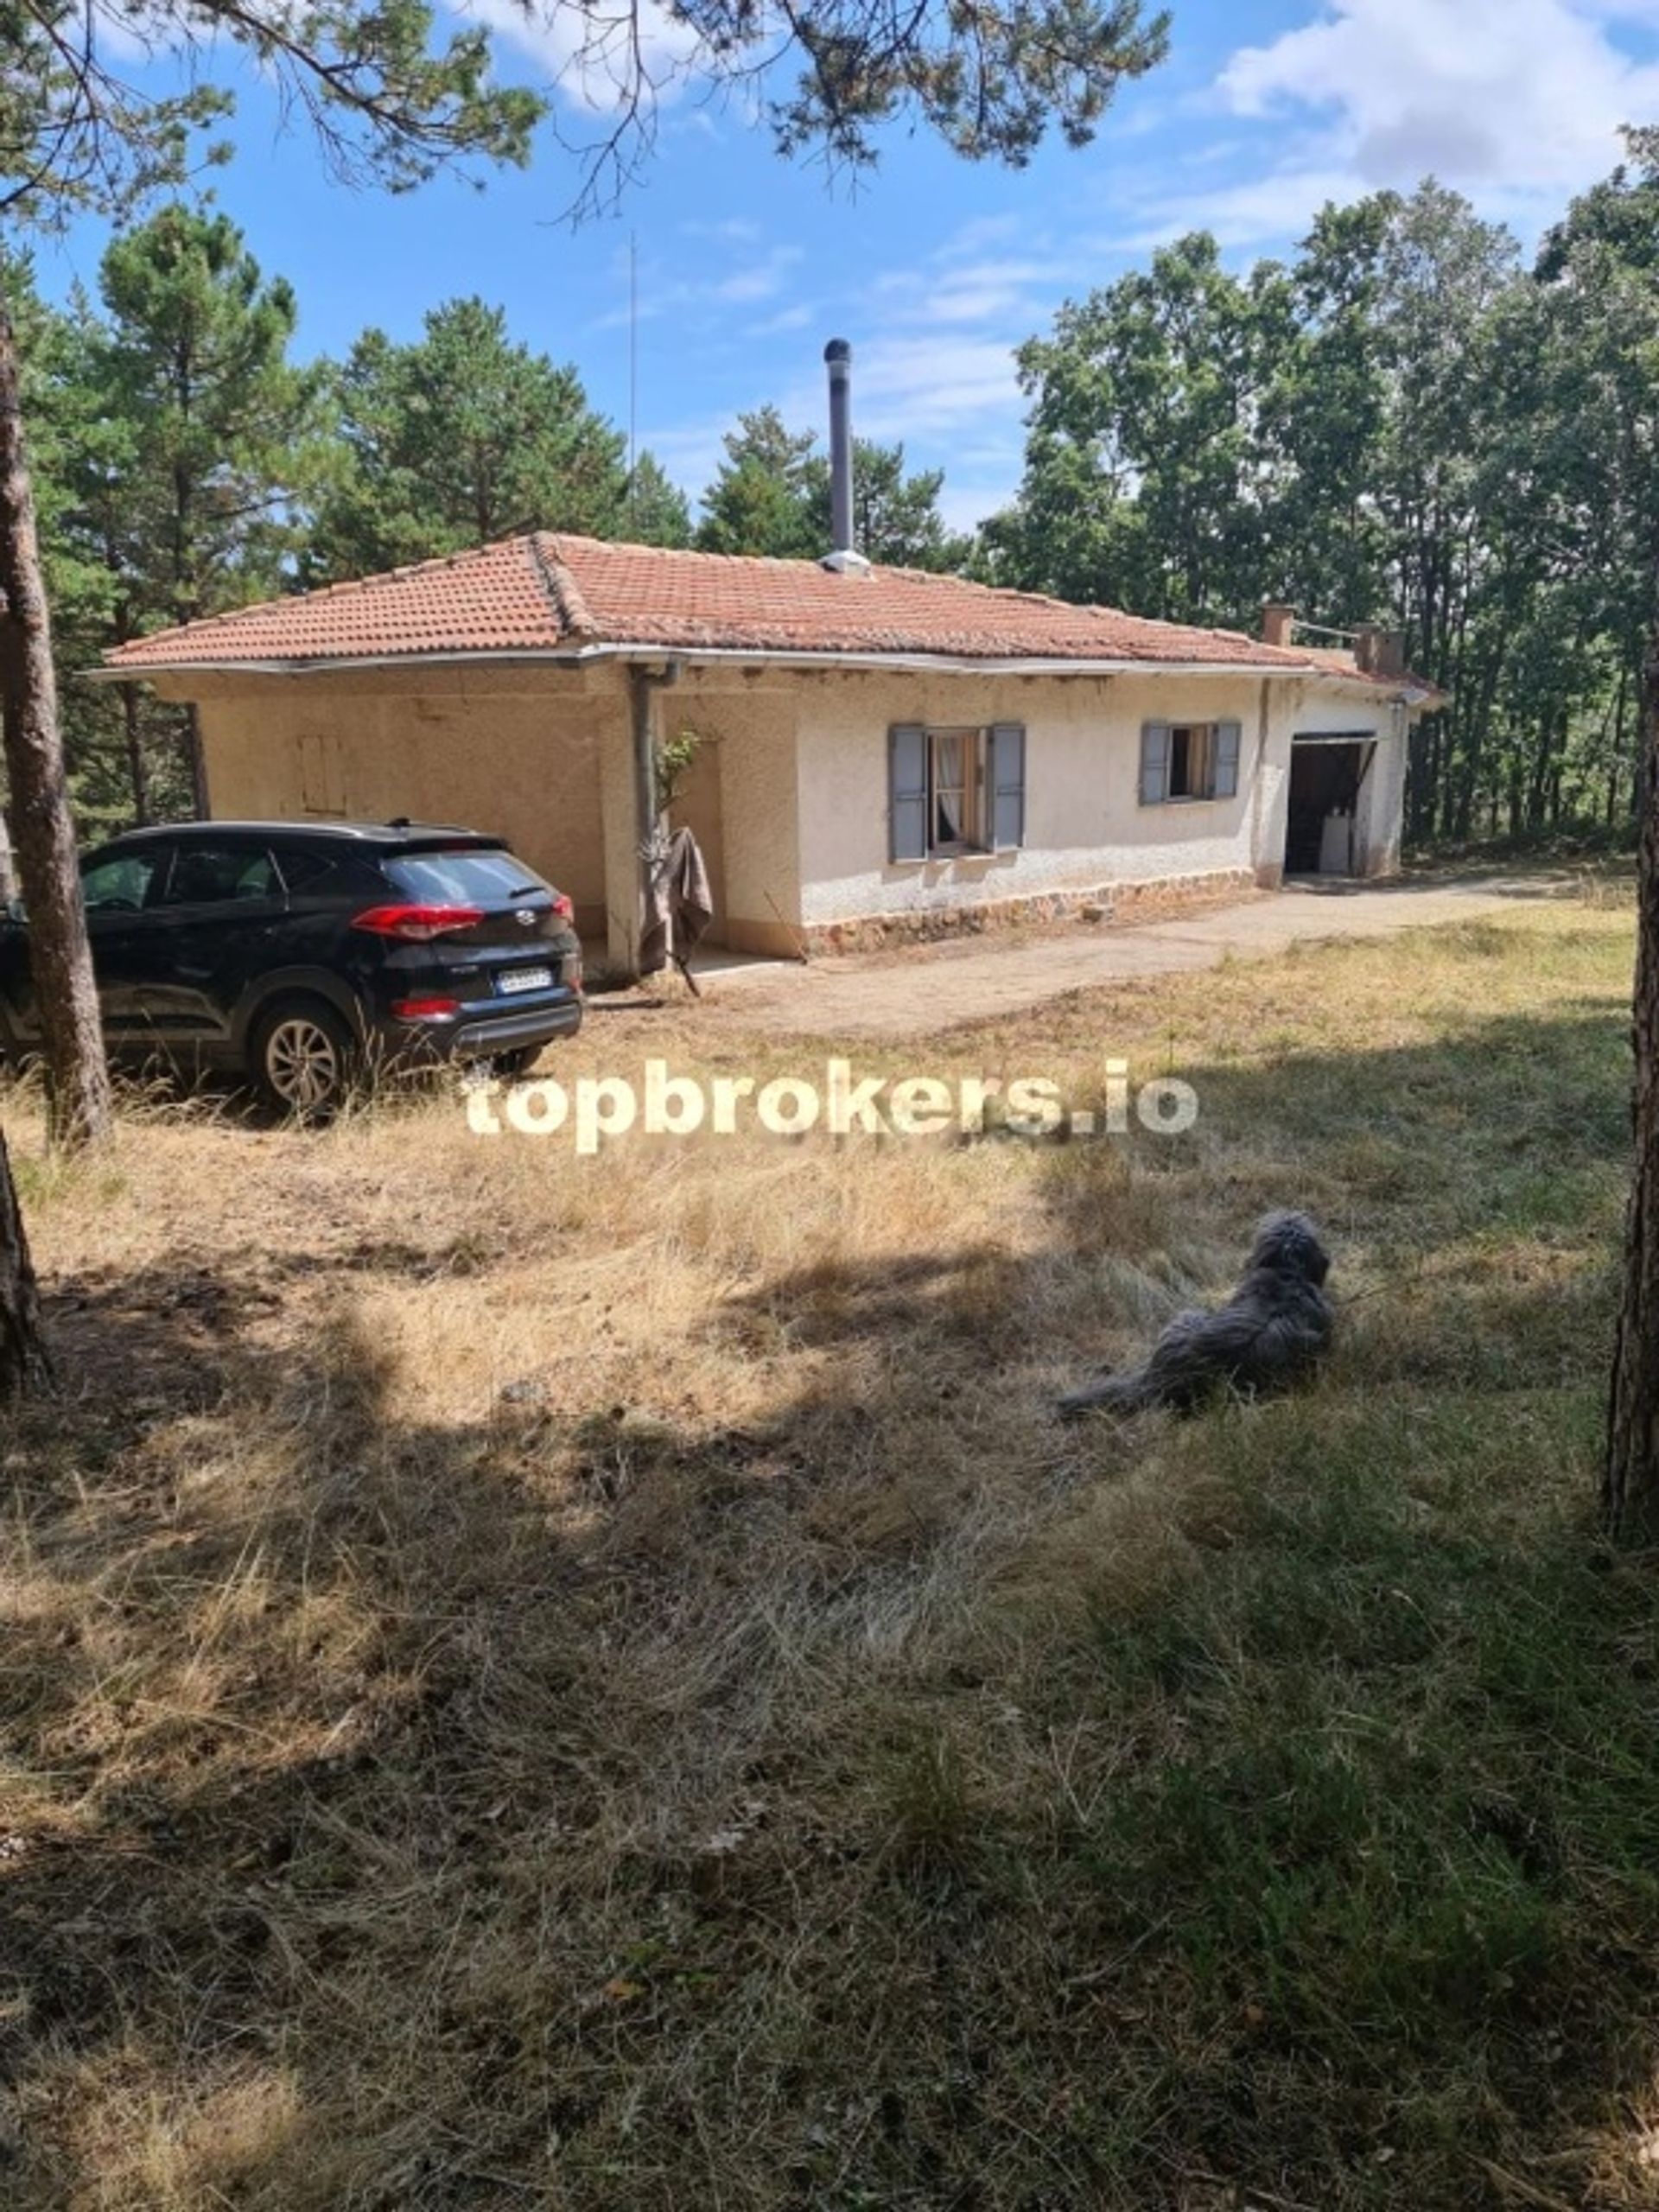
<point x="1326" y="777"/>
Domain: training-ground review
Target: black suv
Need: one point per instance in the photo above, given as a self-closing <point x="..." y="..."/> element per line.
<point x="309" y="955"/>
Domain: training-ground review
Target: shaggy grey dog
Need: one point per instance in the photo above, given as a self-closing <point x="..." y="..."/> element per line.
<point x="1276" y="1324"/>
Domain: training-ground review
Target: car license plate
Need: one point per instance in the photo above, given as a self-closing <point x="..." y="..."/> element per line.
<point x="524" y="979"/>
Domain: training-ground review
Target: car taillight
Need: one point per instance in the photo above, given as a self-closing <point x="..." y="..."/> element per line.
<point x="417" y="925"/>
<point x="425" y="1009"/>
<point x="562" y="909"/>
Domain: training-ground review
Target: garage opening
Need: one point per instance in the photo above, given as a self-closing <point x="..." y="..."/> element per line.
<point x="1327" y="774"/>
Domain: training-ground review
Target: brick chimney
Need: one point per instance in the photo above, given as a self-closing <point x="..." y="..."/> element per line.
<point x="1378" y="651"/>
<point x="1277" y="622"/>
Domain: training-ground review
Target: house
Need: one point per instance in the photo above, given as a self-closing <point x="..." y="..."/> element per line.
<point x="883" y="753"/>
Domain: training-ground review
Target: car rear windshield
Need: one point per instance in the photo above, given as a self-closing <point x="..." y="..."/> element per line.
<point x="468" y="876"/>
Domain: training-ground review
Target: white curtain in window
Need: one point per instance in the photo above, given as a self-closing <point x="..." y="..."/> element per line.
<point x="951" y="791"/>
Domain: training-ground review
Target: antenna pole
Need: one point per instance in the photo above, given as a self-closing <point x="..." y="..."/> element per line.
<point x="633" y="366"/>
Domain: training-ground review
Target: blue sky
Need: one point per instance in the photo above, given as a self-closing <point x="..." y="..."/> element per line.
<point x="932" y="268"/>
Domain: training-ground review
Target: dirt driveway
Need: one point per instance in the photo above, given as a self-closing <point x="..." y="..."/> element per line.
<point x="935" y="987"/>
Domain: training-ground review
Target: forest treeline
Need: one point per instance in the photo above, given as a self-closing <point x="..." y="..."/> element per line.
<point x="186" y="462"/>
<point x="1410" y="422"/>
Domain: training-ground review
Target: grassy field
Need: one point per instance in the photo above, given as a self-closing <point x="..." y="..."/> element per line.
<point x="598" y="1683"/>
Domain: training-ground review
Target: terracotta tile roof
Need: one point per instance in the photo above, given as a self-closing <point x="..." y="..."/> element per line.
<point x="546" y="593"/>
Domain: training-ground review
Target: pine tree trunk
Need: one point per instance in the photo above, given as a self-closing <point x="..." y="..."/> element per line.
<point x="25" y="1367"/>
<point x="195" y="760"/>
<point x="138" y="771"/>
<point x="1631" y="1478"/>
<point x="41" y="826"/>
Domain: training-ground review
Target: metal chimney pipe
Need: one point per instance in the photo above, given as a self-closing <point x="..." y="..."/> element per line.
<point x="838" y="354"/>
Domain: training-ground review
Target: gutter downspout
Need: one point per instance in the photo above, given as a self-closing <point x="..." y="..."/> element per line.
<point x="644" y="684"/>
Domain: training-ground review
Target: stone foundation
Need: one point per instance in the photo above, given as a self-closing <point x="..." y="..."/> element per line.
<point x="1104" y="902"/>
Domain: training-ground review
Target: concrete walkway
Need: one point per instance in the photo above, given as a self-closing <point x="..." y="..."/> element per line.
<point x="966" y="979"/>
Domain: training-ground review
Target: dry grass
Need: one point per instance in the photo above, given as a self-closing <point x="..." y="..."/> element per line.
<point x="532" y="1680"/>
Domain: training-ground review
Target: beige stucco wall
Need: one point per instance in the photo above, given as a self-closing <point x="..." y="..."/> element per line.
<point x="753" y="727"/>
<point x="1084" y="824"/>
<point x="539" y="755"/>
<point x="790" y="797"/>
<point x="514" y="752"/>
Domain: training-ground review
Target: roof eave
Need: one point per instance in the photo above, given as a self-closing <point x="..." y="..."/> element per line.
<point x="655" y="650"/>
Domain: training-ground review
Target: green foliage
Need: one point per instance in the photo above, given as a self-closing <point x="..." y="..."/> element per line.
<point x="896" y="518"/>
<point x="458" y="439"/>
<point x="1404" y="425"/>
<point x="215" y="433"/>
<point x="178" y="445"/>
<point x="391" y="99"/>
<point x="677" y="757"/>
<point x="655" y="511"/>
<point x="758" y="501"/>
<point x="1141" y="484"/>
<point x="386" y="103"/>
<point x="771" y="496"/>
<point x="990" y="81"/>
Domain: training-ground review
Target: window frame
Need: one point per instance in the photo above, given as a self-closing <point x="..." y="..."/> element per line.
<point x="1188" y="741"/>
<point x="975" y="746"/>
<point x="1221" y="743"/>
<point x="97" y="910"/>
<point x="993" y="791"/>
<point x="161" y="900"/>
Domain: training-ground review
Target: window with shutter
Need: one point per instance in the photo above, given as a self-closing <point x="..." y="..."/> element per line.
<point x="954" y="791"/>
<point x="907" y="792"/>
<point x="1189" y="760"/>
<point x="1228" y="737"/>
<point x="1007" y="783"/>
<point x="1154" y="763"/>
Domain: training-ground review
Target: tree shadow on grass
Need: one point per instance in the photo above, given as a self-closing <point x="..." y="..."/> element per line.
<point x="582" y="1807"/>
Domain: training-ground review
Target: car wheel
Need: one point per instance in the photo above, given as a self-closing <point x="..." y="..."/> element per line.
<point x="303" y="1059"/>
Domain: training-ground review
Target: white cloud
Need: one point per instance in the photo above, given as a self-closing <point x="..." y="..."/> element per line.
<point x="933" y="363"/>
<point x="750" y="283"/>
<point x="929" y="386"/>
<point x="1517" y="102"/>
<point x="952" y="400"/>
<point x="599" y="56"/>
<point x="780" y="325"/>
<point x="691" y="452"/>
<point x="133" y="34"/>
<point x="734" y="229"/>
<point x="1279" y="204"/>
<point x="971" y="240"/>
<point x="758" y="280"/>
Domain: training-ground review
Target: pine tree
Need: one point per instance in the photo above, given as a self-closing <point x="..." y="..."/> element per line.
<point x="459" y="439"/>
<point x="758" y="503"/>
<point x="195" y="438"/>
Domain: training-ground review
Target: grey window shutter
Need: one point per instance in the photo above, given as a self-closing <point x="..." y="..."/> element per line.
<point x="907" y="792"/>
<point x="1228" y="735"/>
<point x="1007" y="787"/>
<point x="1154" y="763"/>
